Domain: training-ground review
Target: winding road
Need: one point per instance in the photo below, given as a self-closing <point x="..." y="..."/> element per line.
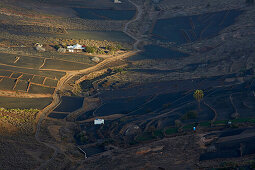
<point x="70" y="74"/>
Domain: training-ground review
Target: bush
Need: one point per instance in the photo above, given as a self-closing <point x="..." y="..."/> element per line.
<point x="118" y="46"/>
<point x="91" y="49"/>
<point x="119" y="70"/>
<point x="111" y="48"/>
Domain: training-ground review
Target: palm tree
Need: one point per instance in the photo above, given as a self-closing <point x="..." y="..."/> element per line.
<point x="198" y="95"/>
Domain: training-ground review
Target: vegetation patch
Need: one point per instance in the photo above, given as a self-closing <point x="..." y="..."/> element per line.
<point x="170" y="131"/>
<point x="20" y="118"/>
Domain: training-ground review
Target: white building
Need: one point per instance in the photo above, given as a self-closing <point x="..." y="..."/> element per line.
<point x="117" y="2"/>
<point x="75" y="48"/>
<point x="98" y="121"/>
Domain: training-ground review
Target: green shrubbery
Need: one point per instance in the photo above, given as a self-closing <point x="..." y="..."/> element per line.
<point x="23" y="119"/>
<point x="90" y="49"/>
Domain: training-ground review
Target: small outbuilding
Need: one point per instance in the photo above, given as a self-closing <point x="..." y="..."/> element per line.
<point x="98" y="121"/>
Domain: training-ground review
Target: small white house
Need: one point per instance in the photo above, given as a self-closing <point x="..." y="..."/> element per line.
<point x="75" y="48"/>
<point x="98" y="121"/>
<point x="117" y="2"/>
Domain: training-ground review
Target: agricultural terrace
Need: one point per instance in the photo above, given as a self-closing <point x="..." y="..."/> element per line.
<point x="35" y="73"/>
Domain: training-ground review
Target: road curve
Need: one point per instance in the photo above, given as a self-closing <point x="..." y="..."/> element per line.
<point x="69" y="75"/>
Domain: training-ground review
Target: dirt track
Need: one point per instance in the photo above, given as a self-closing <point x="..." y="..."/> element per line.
<point x="69" y="75"/>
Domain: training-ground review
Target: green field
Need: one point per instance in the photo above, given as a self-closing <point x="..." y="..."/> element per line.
<point x="24" y="103"/>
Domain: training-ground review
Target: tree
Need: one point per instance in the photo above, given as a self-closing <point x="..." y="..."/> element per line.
<point x="198" y="95"/>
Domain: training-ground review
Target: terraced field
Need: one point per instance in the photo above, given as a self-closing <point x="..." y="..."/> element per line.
<point x="24" y="103"/>
<point x="104" y="14"/>
<point x="193" y="28"/>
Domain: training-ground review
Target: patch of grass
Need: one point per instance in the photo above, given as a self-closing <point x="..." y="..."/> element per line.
<point x="205" y="124"/>
<point x="158" y="133"/>
<point x="20" y="118"/>
<point x="219" y="122"/>
<point x="145" y="137"/>
<point x="189" y="126"/>
<point x="170" y="131"/>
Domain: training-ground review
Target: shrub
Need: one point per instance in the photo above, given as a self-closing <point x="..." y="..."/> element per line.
<point x="111" y="48"/>
<point x="90" y="49"/>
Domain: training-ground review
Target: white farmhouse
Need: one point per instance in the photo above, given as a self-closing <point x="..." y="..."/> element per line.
<point x="75" y="48"/>
<point x="98" y="121"/>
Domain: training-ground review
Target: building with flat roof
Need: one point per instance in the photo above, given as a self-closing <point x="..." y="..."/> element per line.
<point x="98" y="121"/>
